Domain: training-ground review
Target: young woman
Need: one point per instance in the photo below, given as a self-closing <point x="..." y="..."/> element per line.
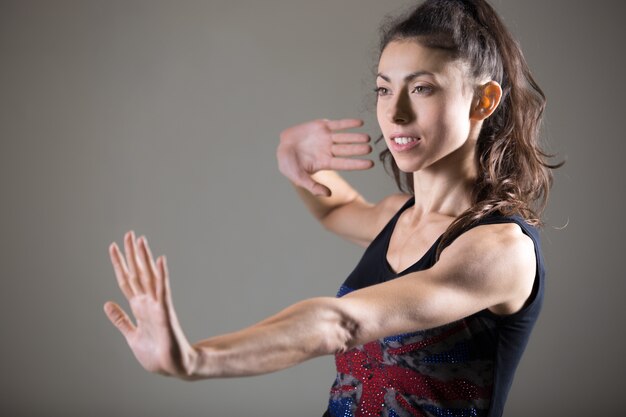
<point x="436" y="315"/>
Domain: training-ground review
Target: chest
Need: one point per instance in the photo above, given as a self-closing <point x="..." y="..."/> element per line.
<point x="408" y="242"/>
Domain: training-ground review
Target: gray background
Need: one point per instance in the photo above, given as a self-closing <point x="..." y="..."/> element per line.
<point x="164" y="116"/>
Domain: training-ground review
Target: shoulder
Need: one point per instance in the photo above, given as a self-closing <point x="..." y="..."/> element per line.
<point x="499" y="238"/>
<point x="498" y="258"/>
<point x="360" y="221"/>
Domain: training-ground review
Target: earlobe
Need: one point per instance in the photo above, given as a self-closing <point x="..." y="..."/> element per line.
<point x="488" y="101"/>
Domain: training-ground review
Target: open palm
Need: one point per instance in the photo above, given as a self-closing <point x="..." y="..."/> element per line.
<point x="157" y="340"/>
<point x="320" y="145"/>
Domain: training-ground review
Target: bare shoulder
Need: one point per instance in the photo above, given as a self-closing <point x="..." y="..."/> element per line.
<point x="360" y="221"/>
<point x="497" y="258"/>
<point x="498" y="238"/>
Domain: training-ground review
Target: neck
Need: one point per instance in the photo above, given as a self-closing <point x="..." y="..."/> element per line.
<point x="445" y="188"/>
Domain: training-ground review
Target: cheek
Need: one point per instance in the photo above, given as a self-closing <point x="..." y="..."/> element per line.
<point x="454" y="122"/>
<point x="380" y="116"/>
<point x="436" y="123"/>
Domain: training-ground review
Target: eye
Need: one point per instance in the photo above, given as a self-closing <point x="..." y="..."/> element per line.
<point x="381" y="91"/>
<point x="422" y="89"/>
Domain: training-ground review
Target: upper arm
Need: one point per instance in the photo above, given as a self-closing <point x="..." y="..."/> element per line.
<point x="360" y="221"/>
<point x="489" y="266"/>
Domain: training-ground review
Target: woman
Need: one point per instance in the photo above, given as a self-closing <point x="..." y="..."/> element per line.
<point x="436" y="315"/>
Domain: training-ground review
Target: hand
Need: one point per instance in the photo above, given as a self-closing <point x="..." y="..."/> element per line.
<point x="314" y="146"/>
<point x="157" y="339"/>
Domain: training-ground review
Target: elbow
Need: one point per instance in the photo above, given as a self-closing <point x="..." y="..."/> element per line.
<point x="338" y="338"/>
<point x="337" y="331"/>
<point x="346" y="337"/>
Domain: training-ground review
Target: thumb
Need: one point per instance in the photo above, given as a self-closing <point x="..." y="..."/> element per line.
<point x="307" y="182"/>
<point x="319" y="190"/>
<point x="119" y="318"/>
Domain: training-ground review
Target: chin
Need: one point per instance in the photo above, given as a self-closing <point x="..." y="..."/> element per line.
<point x="409" y="170"/>
<point x="408" y="167"/>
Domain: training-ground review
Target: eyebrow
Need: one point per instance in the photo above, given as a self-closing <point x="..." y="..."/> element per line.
<point x="409" y="77"/>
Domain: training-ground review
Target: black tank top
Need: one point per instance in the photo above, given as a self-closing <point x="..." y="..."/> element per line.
<point x="461" y="369"/>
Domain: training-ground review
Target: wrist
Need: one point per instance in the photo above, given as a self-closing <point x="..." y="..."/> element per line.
<point x="190" y="369"/>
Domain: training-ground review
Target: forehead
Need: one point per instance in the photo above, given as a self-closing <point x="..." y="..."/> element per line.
<point x="403" y="57"/>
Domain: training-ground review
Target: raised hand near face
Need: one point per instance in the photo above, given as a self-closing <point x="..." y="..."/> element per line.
<point x="320" y="145"/>
<point x="156" y="338"/>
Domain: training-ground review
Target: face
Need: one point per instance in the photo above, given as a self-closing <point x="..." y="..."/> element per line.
<point x="424" y="106"/>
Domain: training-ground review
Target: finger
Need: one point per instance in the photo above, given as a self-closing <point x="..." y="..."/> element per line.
<point x="347" y="164"/>
<point x="305" y="181"/>
<point x="119" y="318"/>
<point x="343" y="123"/>
<point x="350" y="150"/>
<point x="159" y="287"/>
<point x="121" y="272"/>
<point x="165" y="280"/>
<point x="134" y="267"/>
<point x="150" y="273"/>
<point x="351" y="137"/>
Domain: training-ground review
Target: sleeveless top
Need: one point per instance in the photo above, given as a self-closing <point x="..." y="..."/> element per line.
<point x="461" y="369"/>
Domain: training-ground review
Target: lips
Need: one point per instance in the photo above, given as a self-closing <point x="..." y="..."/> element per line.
<point x="402" y="142"/>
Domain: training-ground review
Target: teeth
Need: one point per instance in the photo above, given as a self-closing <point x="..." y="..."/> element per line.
<point x="404" y="140"/>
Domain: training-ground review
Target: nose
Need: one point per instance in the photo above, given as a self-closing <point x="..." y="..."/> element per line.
<point x="400" y="111"/>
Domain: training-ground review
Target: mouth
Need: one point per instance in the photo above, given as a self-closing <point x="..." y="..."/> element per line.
<point x="403" y="140"/>
<point x="403" y="143"/>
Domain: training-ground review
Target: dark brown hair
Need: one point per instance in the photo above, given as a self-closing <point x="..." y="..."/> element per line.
<point x="514" y="176"/>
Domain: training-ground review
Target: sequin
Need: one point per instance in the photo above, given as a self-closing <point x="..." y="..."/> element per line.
<point x="459" y="354"/>
<point x="371" y="380"/>
<point x="343" y="290"/>
<point x="442" y="412"/>
<point x="341" y="408"/>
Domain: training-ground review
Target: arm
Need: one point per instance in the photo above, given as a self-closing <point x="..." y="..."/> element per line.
<point x="346" y="213"/>
<point x="305" y="330"/>
<point x="307" y="155"/>
<point x="487" y="267"/>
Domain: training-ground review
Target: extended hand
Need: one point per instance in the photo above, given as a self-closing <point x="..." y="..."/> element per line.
<point x="314" y="146"/>
<point x="157" y="339"/>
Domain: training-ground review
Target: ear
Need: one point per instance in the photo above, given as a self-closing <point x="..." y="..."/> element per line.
<point x="487" y="101"/>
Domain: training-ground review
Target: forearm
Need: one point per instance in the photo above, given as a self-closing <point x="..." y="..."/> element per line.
<point x="342" y="194"/>
<point x="303" y="331"/>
